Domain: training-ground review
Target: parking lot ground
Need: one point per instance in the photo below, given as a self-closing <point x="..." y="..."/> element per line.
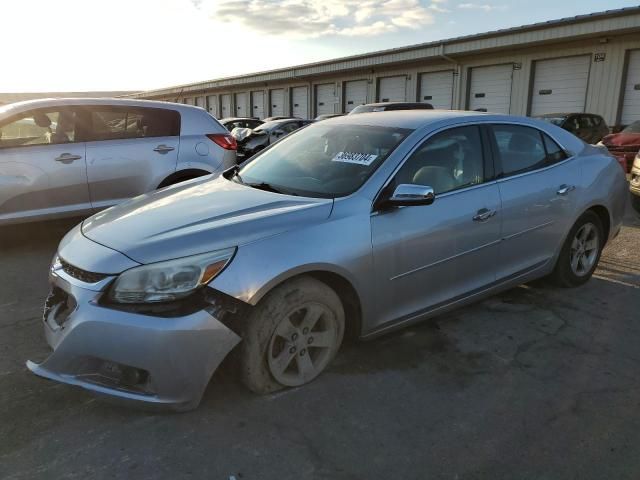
<point x="535" y="383"/>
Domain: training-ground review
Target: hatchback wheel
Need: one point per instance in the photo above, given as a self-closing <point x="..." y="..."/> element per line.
<point x="291" y="335"/>
<point x="581" y="252"/>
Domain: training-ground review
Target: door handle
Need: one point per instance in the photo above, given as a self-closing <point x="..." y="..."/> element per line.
<point x="67" y="158"/>
<point x="565" y="189"/>
<point x="483" y="215"/>
<point x="163" y="149"/>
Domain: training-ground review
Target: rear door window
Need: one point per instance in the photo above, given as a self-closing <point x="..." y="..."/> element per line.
<point x="118" y="123"/>
<point x="523" y="149"/>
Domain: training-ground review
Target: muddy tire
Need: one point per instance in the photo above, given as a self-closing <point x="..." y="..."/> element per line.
<point x="580" y="253"/>
<point x="291" y="335"/>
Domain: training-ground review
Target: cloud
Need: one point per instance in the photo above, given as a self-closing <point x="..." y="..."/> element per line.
<point x="318" y="18"/>
<point x="477" y="6"/>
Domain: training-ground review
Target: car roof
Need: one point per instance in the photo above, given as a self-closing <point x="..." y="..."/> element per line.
<point x="57" y="102"/>
<point x="411" y="119"/>
<point x="395" y="104"/>
<point x="235" y="119"/>
<point x="564" y="114"/>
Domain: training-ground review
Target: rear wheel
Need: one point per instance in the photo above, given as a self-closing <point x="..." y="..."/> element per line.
<point x="581" y="252"/>
<point x="291" y="336"/>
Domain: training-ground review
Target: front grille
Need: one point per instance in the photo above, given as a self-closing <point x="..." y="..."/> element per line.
<point x="82" y="275"/>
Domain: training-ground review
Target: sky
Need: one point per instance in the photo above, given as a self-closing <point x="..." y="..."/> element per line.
<point x="88" y="45"/>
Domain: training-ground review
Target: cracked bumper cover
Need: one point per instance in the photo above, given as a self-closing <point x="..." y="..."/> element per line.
<point x="178" y="354"/>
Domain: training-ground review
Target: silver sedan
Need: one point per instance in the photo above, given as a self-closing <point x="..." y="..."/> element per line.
<point x="356" y="226"/>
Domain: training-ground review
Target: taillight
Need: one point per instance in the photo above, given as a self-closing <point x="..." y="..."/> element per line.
<point x="224" y="140"/>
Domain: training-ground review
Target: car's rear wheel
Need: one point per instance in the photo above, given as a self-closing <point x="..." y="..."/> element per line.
<point x="291" y="335"/>
<point x="581" y="251"/>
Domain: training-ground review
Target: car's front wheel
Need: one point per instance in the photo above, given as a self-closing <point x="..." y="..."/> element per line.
<point x="291" y="335"/>
<point x="581" y="251"/>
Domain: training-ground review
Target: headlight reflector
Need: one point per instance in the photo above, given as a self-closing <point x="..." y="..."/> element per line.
<point x="170" y="280"/>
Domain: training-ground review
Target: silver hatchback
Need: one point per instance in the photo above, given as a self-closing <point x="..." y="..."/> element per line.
<point x="355" y="226"/>
<point x="70" y="157"/>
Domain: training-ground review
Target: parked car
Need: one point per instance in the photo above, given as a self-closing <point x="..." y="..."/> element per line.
<point x="342" y="228"/>
<point x="76" y="156"/>
<point x="250" y="143"/>
<point x="389" y="106"/>
<point x="327" y="116"/>
<point x="280" y="117"/>
<point x="240" y="122"/>
<point x="624" y="145"/>
<point x="586" y="126"/>
<point x="634" y="184"/>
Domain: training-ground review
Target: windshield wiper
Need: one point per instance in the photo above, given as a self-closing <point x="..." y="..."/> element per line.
<point x="233" y="172"/>
<point x="267" y="187"/>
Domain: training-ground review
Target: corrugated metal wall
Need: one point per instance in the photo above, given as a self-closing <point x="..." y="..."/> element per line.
<point x="604" y="88"/>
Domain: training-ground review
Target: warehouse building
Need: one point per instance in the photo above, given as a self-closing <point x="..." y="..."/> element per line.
<point x="589" y="63"/>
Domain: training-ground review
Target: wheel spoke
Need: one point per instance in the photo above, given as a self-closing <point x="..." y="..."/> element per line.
<point x="323" y="339"/>
<point x="574" y="244"/>
<point x="305" y="366"/>
<point x="282" y="361"/>
<point x="311" y="317"/>
<point x="286" y="329"/>
<point x="575" y="259"/>
<point x="586" y="231"/>
<point x="591" y="244"/>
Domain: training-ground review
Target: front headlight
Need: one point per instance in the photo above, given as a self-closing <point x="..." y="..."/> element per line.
<point x="170" y="280"/>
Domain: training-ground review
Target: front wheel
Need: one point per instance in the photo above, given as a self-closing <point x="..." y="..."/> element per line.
<point x="581" y="251"/>
<point x="291" y="336"/>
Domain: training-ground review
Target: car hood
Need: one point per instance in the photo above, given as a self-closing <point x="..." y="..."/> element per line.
<point x="199" y="216"/>
<point x="622" y="139"/>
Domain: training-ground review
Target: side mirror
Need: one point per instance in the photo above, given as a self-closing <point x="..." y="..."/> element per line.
<point x="406" y="195"/>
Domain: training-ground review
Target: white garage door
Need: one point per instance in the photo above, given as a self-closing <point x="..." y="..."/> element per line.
<point x="560" y="85"/>
<point x="188" y="101"/>
<point x="631" y="100"/>
<point x="241" y="104"/>
<point x="257" y="104"/>
<point x="212" y="103"/>
<point x="490" y="88"/>
<point x="200" y="102"/>
<point x="355" y="93"/>
<point x="325" y="98"/>
<point x="225" y="105"/>
<point x="436" y="88"/>
<point x="299" y="102"/>
<point x="277" y="102"/>
<point x="392" y="89"/>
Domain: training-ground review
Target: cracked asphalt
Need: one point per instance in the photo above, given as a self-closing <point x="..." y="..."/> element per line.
<point x="535" y="383"/>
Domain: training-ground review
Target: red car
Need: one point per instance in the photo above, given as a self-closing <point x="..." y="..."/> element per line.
<point x="624" y="145"/>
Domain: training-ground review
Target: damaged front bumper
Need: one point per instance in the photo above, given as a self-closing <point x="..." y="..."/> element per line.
<point x="137" y="357"/>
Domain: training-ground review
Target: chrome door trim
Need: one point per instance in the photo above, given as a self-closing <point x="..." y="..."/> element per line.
<point x="453" y="257"/>
<point x="528" y="230"/>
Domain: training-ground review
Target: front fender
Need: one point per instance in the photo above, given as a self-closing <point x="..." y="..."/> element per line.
<point x="341" y="247"/>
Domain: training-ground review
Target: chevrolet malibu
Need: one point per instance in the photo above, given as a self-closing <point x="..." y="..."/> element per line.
<point x="354" y="226"/>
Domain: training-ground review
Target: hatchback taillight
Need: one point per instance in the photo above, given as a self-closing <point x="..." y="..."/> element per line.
<point x="224" y="140"/>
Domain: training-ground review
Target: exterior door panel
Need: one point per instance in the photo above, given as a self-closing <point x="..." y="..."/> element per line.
<point x="427" y="255"/>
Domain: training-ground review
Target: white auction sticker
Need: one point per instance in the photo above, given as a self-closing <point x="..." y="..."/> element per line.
<point x="365" y="159"/>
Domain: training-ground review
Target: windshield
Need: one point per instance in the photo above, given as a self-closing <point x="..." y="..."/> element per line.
<point x="324" y="161"/>
<point x="554" y="120"/>
<point x="633" y="128"/>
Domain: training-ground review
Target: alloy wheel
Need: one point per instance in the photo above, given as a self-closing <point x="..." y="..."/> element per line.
<point x="584" y="249"/>
<point x="302" y="344"/>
